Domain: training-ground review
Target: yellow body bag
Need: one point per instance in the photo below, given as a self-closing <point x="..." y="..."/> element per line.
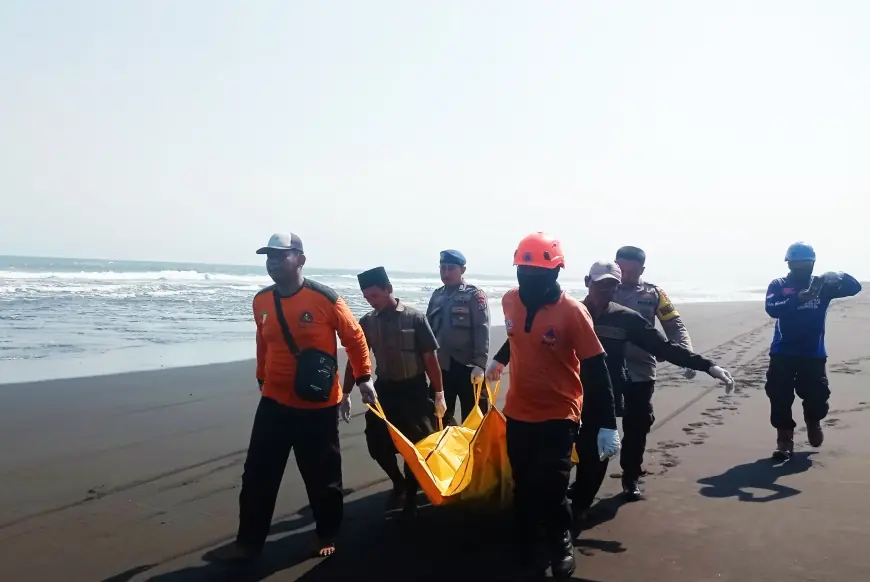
<point x="460" y="463"/>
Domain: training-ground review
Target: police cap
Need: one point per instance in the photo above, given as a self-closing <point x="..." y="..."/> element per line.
<point x="452" y="257"/>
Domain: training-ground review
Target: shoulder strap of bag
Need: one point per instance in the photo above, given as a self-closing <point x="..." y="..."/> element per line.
<point x="288" y="337"/>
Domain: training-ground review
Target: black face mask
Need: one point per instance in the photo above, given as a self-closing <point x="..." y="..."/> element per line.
<point x="802" y="274"/>
<point x="538" y="289"/>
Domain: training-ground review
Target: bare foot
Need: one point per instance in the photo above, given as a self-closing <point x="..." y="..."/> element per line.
<point x="325" y="549"/>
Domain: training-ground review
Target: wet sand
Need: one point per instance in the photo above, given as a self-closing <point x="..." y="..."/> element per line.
<point x="136" y="477"/>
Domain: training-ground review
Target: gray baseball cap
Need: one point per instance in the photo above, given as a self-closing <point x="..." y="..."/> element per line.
<point x="605" y="270"/>
<point x="282" y="241"/>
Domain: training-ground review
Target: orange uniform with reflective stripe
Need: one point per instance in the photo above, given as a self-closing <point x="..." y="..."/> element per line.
<point x="545" y="360"/>
<point x="314" y="314"/>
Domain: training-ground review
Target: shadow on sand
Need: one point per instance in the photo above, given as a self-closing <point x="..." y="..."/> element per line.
<point x="445" y="543"/>
<point x="761" y="474"/>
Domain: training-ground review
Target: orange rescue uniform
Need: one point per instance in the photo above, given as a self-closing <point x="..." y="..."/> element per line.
<point x="314" y="315"/>
<point x="545" y="360"/>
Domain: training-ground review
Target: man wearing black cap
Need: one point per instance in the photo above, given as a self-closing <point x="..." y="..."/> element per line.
<point x="638" y="417"/>
<point x="405" y="353"/>
<point x="459" y="316"/>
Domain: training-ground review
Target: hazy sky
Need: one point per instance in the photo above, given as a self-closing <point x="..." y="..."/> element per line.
<point x="712" y="134"/>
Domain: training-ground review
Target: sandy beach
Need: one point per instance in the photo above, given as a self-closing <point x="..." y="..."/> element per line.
<point x="135" y="477"/>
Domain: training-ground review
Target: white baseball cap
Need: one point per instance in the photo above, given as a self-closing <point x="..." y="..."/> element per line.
<point x="605" y="270"/>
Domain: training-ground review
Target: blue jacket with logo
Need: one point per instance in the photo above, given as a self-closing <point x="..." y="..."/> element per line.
<point x="800" y="327"/>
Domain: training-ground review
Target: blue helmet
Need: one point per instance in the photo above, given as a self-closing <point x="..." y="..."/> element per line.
<point x="800" y="251"/>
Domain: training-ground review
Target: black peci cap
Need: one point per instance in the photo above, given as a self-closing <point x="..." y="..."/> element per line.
<point x="376" y="277"/>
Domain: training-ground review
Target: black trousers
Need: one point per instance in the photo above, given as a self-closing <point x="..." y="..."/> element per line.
<point x="457" y="384"/>
<point x="540" y="457"/>
<point x="313" y="437"/>
<point x="637" y="420"/>
<point x="590" y="469"/>
<point x="806" y="377"/>
<point x="408" y="407"/>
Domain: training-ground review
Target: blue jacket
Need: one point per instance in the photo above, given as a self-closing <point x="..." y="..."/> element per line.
<point x="800" y="327"/>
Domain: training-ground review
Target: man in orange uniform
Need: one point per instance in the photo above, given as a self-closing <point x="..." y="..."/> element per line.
<point x="551" y="336"/>
<point x="297" y="321"/>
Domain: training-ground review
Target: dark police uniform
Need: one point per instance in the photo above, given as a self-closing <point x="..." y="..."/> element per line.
<point x="399" y="337"/>
<point x="459" y="316"/>
<point x="616" y="327"/>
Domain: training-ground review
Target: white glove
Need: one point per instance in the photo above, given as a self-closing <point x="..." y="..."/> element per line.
<point x="832" y="277"/>
<point x="344" y="408"/>
<point x="476" y="375"/>
<point x="689" y="373"/>
<point x="608" y="443"/>
<point x="440" y="404"/>
<point x="722" y="375"/>
<point x="494" y="371"/>
<point x="367" y="392"/>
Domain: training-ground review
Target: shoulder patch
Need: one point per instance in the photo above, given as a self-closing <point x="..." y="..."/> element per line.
<point x="324" y="290"/>
<point x="666" y="310"/>
<point x="664" y="296"/>
<point x="481" y="300"/>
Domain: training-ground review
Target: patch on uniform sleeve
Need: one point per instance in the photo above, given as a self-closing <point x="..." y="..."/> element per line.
<point x="666" y="310"/>
<point x="481" y="300"/>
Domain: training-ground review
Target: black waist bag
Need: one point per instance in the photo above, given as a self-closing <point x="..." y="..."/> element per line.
<point x="315" y="369"/>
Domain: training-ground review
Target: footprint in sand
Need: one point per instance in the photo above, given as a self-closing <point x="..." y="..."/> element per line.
<point x="699" y="441"/>
<point x="834" y="423"/>
<point x="670" y="462"/>
<point x="669" y="445"/>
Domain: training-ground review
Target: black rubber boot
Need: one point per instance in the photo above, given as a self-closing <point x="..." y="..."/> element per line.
<point x="815" y="434"/>
<point x="631" y="489"/>
<point x="784" y="445"/>
<point x="562" y="559"/>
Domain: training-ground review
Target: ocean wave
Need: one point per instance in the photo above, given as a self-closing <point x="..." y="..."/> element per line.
<point x="182" y="276"/>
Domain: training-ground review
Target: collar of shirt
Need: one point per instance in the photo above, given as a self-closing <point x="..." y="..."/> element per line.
<point x="639" y="285"/>
<point x="603" y="312"/>
<point x="400" y="307"/>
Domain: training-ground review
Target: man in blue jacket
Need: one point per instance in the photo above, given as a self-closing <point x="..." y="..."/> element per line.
<point x="799" y="303"/>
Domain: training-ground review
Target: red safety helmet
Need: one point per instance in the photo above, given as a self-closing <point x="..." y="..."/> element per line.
<point x="540" y="250"/>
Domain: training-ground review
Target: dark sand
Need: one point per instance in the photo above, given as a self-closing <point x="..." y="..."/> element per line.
<point x="136" y="477"/>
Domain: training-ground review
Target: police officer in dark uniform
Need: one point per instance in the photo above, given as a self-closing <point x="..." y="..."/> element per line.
<point x="459" y="316"/>
<point x="405" y="352"/>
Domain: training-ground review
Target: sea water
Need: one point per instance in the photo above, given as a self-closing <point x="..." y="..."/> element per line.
<point x="75" y="317"/>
